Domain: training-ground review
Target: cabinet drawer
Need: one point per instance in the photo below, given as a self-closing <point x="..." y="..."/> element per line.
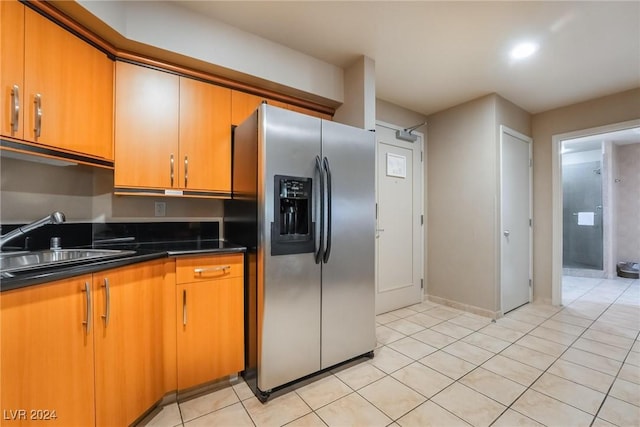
<point x="195" y="269"/>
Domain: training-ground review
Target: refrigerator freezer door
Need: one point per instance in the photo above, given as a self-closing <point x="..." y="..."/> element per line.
<point x="348" y="277"/>
<point x="288" y="285"/>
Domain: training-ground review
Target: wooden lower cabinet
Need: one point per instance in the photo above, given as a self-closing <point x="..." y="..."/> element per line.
<point x="107" y="372"/>
<point x="102" y="349"/>
<point x="128" y="341"/>
<point x="210" y="319"/>
<point x="47" y="354"/>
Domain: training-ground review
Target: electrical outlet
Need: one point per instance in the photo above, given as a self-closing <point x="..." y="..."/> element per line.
<point x="161" y="208"/>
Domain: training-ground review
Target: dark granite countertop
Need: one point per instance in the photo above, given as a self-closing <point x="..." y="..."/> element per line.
<point x="143" y="251"/>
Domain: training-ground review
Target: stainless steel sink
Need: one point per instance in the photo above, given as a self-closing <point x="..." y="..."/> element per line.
<point x="20" y="261"/>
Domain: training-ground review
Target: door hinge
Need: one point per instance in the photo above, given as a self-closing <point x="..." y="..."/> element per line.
<point x="530" y="222"/>
<point x="421" y="219"/>
<point x="421" y="283"/>
<point x="530" y="283"/>
<point x="376" y="211"/>
<point x="422" y="156"/>
<point x="530" y="163"/>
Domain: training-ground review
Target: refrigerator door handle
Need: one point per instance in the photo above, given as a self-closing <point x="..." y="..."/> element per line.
<point x="327" y="169"/>
<point x="318" y="254"/>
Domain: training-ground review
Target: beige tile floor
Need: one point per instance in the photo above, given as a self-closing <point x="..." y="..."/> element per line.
<point x="576" y="365"/>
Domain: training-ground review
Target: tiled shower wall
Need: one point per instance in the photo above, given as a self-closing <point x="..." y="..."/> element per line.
<point x="627" y="190"/>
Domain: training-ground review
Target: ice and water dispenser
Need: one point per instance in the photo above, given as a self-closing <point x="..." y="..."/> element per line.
<point x="292" y="229"/>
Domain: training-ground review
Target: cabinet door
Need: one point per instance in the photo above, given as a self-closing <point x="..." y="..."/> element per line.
<point x="47" y="353"/>
<point x="243" y="104"/>
<point x="68" y="101"/>
<point x="128" y="342"/>
<point x="210" y="330"/>
<point x="205" y="136"/>
<point x="11" y="68"/>
<point x="146" y="127"/>
<point x="310" y="112"/>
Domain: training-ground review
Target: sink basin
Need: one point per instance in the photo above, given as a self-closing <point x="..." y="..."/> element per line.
<point x="19" y="261"/>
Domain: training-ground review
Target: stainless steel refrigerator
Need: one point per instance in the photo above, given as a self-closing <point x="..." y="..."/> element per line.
<point x="304" y="205"/>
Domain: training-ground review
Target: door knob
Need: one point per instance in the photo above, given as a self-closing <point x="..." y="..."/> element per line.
<point x="506" y="233"/>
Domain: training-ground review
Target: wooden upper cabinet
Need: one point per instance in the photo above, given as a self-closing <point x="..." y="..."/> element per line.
<point x="61" y="85"/>
<point x="243" y="104"/>
<point x="204" y="137"/>
<point x="146" y="127"/>
<point x="47" y="353"/>
<point x="180" y="127"/>
<point x="11" y="69"/>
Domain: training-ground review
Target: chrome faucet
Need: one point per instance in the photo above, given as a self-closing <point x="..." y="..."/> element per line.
<point x="54" y="218"/>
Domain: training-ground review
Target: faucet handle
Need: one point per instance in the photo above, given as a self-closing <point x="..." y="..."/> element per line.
<point x="56" y="243"/>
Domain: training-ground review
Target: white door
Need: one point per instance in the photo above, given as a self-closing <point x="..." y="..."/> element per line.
<point x="515" y="232"/>
<point x="399" y="237"/>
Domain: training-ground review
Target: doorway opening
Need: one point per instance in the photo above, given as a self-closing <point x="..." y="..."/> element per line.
<point x="583" y="176"/>
<point x="595" y="202"/>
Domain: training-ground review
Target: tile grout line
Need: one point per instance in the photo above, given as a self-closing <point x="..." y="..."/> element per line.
<point x="621" y="365"/>
<point x="507" y="407"/>
<point x="567" y="349"/>
<point x="437" y="349"/>
<point x="558" y="358"/>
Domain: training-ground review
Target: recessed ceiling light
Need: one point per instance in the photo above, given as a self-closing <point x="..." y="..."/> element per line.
<point x="523" y="50"/>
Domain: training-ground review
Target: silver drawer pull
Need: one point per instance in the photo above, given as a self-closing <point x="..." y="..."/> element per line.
<point x="222" y="268"/>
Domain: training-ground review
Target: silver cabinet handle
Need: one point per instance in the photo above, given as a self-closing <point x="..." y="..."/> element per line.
<point x="87" y="322"/>
<point x="186" y="170"/>
<point x="15" y="111"/>
<point x="212" y="269"/>
<point x="184" y="307"/>
<point x="107" y="304"/>
<point x="506" y="233"/>
<point x="171" y="168"/>
<point x="38" y="115"/>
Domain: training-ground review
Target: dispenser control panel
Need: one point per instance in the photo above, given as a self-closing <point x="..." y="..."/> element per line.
<point x="292" y="229"/>
<point x="293" y="189"/>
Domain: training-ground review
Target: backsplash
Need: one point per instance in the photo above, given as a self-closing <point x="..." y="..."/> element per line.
<point x="31" y="190"/>
<point x="88" y="234"/>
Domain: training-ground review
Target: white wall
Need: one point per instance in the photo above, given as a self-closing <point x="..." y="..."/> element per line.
<point x="616" y="108"/>
<point x="463" y="201"/>
<point x="627" y="208"/>
<point x="168" y="26"/>
<point x="359" y="108"/>
<point x="33" y="190"/>
<point x="582" y="157"/>
<point x="85" y="194"/>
